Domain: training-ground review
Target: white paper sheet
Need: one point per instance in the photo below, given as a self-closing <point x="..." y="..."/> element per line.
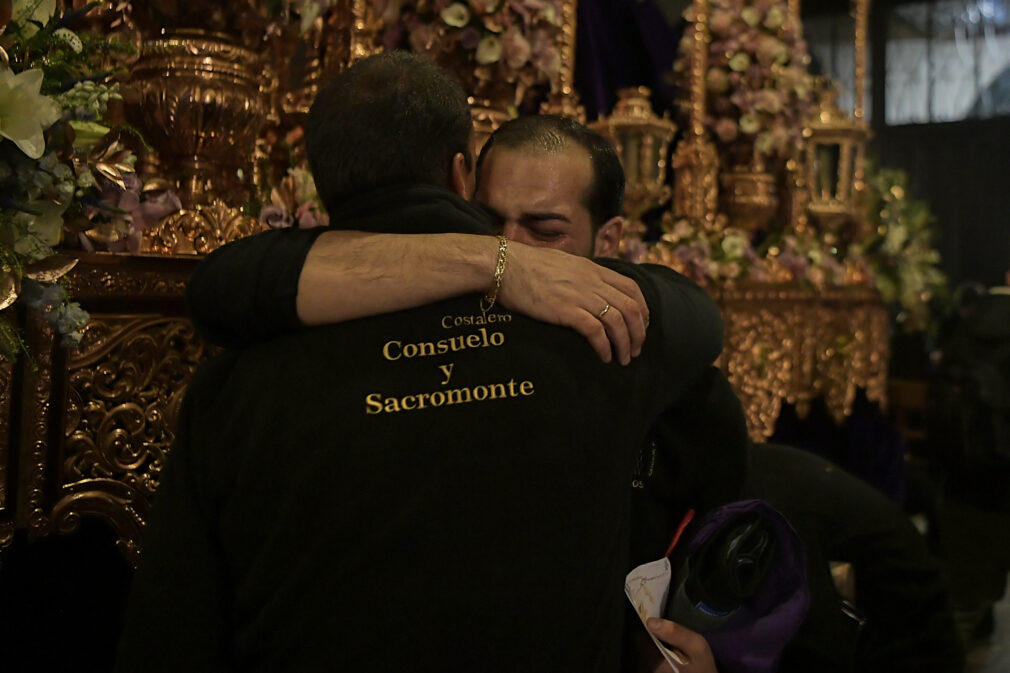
<point x="646" y="587"/>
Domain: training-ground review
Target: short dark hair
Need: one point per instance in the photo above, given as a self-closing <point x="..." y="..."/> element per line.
<point x="392" y="118"/>
<point x="552" y="134"/>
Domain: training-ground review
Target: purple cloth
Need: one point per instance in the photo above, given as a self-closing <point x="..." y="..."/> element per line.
<point x="623" y="43"/>
<point x="753" y="639"/>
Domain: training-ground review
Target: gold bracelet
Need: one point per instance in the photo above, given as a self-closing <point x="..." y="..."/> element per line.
<point x="488" y="300"/>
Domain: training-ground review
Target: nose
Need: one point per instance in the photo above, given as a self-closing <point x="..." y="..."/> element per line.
<point x="513" y="232"/>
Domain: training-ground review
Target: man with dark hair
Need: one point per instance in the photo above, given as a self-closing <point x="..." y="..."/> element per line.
<point x="425" y="489"/>
<point x="358" y="144"/>
<point x="548" y="134"/>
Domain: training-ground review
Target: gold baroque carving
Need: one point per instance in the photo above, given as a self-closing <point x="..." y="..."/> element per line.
<point x="6" y="374"/>
<point x="200" y="230"/>
<point x="126" y="382"/>
<point x="36" y="415"/>
<point x="111" y="500"/>
<point x="794" y="344"/>
<point x="6" y="520"/>
<point x="97" y="281"/>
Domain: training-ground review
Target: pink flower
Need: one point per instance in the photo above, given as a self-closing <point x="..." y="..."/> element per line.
<point x="768" y="100"/>
<point x="548" y="62"/>
<point x="780" y="138"/>
<point x="726" y="130"/>
<point x="515" y="47"/>
<point x="309" y="216"/>
<point x="717" y="80"/>
<point x="545" y="56"/>
<point x="720" y="22"/>
<point x="422" y="38"/>
<point x="771" y="50"/>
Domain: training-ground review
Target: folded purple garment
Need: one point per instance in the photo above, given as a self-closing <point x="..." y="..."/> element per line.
<point x="752" y="639"/>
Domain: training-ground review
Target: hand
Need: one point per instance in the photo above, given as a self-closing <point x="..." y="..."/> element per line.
<point x="571" y="291"/>
<point x="691" y="646"/>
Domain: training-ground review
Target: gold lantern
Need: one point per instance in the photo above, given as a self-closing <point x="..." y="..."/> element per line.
<point x="835" y="149"/>
<point x="642" y="140"/>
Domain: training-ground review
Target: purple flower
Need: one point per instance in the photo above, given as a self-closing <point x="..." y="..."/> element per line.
<point x="515" y="47"/>
<point x="469" y="38"/>
<point x="392" y="36"/>
<point x="309" y="216"/>
<point x="276" y="217"/>
<point x="720" y="22"/>
<point x="795" y="264"/>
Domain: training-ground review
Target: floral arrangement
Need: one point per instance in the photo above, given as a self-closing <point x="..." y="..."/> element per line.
<point x="897" y="256"/>
<point x="497" y="42"/>
<point x="899" y="249"/>
<point x="759" y="93"/>
<point x="728" y="255"/>
<point x="65" y="171"/>
<point x="294" y="203"/>
<point x="709" y="258"/>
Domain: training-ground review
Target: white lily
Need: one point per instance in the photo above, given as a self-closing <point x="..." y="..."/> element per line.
<point x="25" y="12"/>
<point x="24" y="112"/>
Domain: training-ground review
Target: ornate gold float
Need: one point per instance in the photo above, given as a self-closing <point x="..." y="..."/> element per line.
<point x="86" y="433"/>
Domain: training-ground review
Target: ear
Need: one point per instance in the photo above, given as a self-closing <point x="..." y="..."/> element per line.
<point x="461" y="176"/>
<point x="608" y="238"/>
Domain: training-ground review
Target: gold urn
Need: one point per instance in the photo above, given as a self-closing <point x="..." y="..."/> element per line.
<point x="199" y="99"/>
<point x="749" y="196"/>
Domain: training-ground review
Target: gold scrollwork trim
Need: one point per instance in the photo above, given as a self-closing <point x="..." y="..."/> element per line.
<point x="36" y="416"/>
<point x="108" y="499"/>
<point x="109" y="276"/>
<point x="6" y="381"/>
<point x="793" y="344"/>
<point x="200" y="230"/>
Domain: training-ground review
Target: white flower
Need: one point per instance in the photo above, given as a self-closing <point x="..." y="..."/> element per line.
<point x="26" y="12"/>
<point x="894" y="240"/>
<point x="309" y="11"/>
<point x="70" y="38"/>
<point x="734" y="246"/>
<point x="489" y="50"/>
<point x="456" y="15"/>
<point x="304" y="184"/>
<point x="24" y="112"/>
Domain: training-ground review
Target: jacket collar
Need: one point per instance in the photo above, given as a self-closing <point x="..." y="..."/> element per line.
<point x="410" y="209"/>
